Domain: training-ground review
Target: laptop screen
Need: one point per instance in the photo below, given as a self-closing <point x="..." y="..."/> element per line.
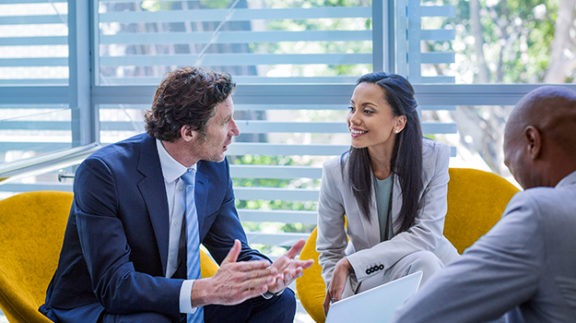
<point x="377" y="304"/>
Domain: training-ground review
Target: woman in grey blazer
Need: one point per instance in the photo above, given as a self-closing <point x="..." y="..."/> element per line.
<point x="391" y="186"/>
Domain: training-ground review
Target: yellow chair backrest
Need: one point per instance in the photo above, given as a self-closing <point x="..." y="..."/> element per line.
<point x="32" y="228"/>
<point x="207" y="265"/>
<point x="32" y="231"/>
<point x="310" y="286"/>
<point x="476" y="201"/>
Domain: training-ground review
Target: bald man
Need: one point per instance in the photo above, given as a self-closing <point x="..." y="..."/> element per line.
<point x="524" y="269"/>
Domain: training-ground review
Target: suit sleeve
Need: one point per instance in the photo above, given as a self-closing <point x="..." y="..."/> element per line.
<point x="331" y="241"/>
<point x="115" y="282"/>
<point x="429" y="222"/>
<point x="497" y="273"/>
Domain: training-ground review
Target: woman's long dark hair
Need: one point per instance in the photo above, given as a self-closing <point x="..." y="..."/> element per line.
<point x="407" y="155"/>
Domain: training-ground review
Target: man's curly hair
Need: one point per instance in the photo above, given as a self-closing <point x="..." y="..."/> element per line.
<point x="187" y="96"/>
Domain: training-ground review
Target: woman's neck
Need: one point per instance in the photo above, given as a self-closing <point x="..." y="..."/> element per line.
<point x="381" y="163"/>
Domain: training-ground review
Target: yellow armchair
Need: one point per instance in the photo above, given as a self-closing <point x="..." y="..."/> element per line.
<point x="476" y="201"/>
<point x="310" y="287"/>
<point x="32" y="228"/>
<point x="30" y="240"/>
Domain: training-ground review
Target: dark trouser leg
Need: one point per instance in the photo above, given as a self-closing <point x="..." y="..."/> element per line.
<point x="279" y="309"/>
<point x="93" y="313"/>
<point x="147" y="317"/>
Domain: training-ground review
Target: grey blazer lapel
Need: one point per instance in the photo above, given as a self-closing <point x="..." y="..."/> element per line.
<point x="370" y="227"/>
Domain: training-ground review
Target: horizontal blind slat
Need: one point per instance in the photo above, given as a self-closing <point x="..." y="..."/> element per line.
<point x="34" y="95"/>
<point x="239" y="14"/>
<point x="33" y="20"/>
<point x="31" y="1"/>
<point x="438" y="79"/>
<point x="277" y="172"/>
<point x="276" y="239"/>
<point x="438" y="58"/>
<point x="34" y="61"/>
<point x="33" y="41"/>
<point x="240" y="148"/>
<point x="283" y="216"/>
<point x="226" y="37"/>
<point x="272" y="193"/>
<point x="438" y="11"/>
<point x="438" y="34"/>
<point x="235" y="59"/>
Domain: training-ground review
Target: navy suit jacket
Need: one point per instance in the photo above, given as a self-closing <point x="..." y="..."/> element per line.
<point x="115" y="246"/>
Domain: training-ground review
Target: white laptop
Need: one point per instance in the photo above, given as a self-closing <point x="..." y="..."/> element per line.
<point x="377" y="304"/>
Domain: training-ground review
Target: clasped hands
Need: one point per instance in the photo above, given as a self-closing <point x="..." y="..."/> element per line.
<point x="236" y="282"/>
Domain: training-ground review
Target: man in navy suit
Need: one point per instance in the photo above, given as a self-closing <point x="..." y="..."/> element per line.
<point x="122" y="258"/>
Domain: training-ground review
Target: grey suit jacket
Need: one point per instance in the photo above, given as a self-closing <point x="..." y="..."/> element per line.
<point x="365" y="250"/>
<point x="526" y="264"/>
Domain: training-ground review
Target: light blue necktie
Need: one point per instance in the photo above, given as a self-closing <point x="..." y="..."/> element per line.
<point x="192" y="239"/>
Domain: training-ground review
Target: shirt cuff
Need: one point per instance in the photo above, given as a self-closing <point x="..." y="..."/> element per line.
<point x="269" y="295"/>
<point x="186" y="297"/>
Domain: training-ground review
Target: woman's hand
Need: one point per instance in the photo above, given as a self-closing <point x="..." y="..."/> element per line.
<point x="339" y="278"/>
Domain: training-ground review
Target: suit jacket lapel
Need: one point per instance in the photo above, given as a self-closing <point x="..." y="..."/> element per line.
<point x="370" y="226"/>
<point x="153" y="192"/>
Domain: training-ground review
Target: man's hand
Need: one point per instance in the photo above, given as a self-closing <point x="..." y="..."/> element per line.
<point x="288" y="268"/>
<point x="234" y="282"/>
<point x="336" y="287"/>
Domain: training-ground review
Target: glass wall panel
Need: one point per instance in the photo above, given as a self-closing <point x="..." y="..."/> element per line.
<point x="32" y="131"/>
<point x="520" y="41"/>
<point x="479" y="138"/>
<point x="33" y="42"/>
<point x="28" y="130"/>
<point x="120" y="121"/>
<point x="35" y="117"/>
<point x="255" y="40"/>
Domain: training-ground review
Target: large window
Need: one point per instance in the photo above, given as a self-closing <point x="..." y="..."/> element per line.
<point x="514" y="41"/>
<point x="262" y="41"/>
<point x="33" y="43"/>
<point x="35" y="114"/>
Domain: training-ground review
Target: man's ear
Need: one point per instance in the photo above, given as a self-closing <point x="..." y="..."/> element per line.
<point x="533" y="141"/>
<point x="187" y="133"/>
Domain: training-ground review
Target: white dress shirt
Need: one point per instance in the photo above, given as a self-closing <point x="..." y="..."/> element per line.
<point x="172" y="170"/>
